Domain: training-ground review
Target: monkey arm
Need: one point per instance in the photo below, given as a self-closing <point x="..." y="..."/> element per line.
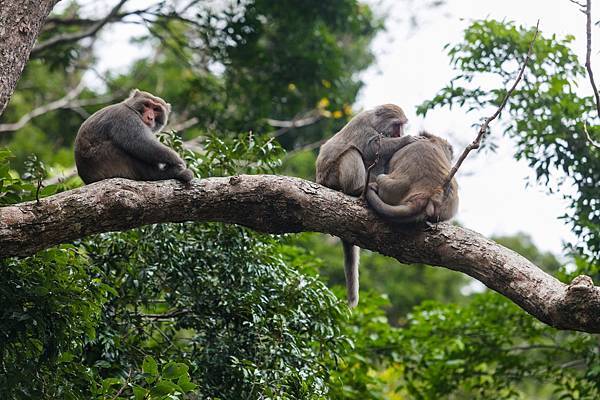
<point x="139" y="143"/>
<point x="385" y="146"/>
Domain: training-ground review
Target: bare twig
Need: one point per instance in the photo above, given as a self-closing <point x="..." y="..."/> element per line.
<point x="484" y="127"/>
<point x="587" y="10"/>
<point x="183" y="125"/>
<point x="308" y="118"/>
<point x="125" y="384"/>
<point x="67" y="102"/>
<point x="168" y="315"/>
<point x="306" y="147"/>
<point x="589" y="138"/>
<point x="72" y="37"/>
<point x="582" y="5"/>
<point x="588" y="53"/>
<point x="54" y="105"/>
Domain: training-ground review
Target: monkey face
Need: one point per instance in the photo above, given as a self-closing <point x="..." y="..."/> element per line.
<point x="389" y="120"/>
<point x="153" y="114"/>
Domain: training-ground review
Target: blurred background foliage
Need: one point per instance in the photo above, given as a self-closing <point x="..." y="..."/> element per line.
<point x="209" y="311"/>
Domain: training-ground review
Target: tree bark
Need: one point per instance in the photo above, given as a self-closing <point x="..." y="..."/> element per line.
<point x="279" y="204"/>
<point x="20" y="24"/>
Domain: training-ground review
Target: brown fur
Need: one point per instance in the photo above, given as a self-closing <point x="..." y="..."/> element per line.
<point x="343" y="161"/>
<point x="412" y="190"/>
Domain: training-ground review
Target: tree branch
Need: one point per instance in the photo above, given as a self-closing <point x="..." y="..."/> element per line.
<point x="484" y="127"/>
<point x="587" y="10"/>
<point x="72" y="37"/>
<point x="69" y="101"/>
<point x="279" y="204"/>
<point x="36" y="112"/>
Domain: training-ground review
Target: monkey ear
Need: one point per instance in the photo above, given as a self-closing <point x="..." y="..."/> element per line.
<point x="135" y="93"/>
<point x="168" y="108"/>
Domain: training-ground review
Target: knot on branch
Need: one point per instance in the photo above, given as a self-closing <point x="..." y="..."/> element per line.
<point x="579" y="284"/>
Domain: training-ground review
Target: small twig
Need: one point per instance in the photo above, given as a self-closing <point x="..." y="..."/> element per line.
<point x="579" y="4"/>
<point x="306" y="147"/>
<point x="589" y="138"/>
<point x="308" y="118"/>
<point x="183" y="125"/>
<point x="72" y="37"/>
<point x="125" y="384"/>
<point x="171" y="314"/>
<point x="54" y="105"/>
<point x="484" y="127"/>
<point x="588" y="53"/>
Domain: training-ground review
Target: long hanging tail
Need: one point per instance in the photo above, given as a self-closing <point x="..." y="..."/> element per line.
<point x="351" y="259"/>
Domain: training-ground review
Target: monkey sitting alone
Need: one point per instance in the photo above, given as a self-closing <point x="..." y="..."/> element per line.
<point x="412" y="190"/>
<point x="119" y="141"/>
<point x="344" y="159"/>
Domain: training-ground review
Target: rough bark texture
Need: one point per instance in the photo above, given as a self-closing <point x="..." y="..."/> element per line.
<point x="20" y="24"/>
<point x="278" y="204"/>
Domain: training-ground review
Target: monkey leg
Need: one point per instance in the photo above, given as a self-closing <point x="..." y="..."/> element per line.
<point x="351" y="173"/>
<point x="392" y="190"/>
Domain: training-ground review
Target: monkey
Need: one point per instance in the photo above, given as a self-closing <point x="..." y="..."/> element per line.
<point x="369" y="139"/>
<point x="412" y="191"/>
<point x="119" y="141"/>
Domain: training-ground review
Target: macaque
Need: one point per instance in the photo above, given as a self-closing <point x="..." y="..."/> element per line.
<point x="373" y="135"/>
<point x="413" y="191"/>
<point x="119" y="141"/>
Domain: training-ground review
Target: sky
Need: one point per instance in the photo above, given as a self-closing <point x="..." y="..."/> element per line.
<point x="498" y="195"/>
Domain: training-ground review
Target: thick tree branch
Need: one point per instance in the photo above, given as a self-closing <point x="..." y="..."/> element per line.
<point x="20" y="24"/>
<point x="279" y="204"/>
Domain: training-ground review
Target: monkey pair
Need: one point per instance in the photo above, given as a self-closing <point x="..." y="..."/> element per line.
<point x="411" y="191"/>
<point x="119" y="141"/>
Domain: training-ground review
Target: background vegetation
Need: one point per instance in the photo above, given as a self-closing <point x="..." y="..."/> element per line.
<point x="208" y="311"/>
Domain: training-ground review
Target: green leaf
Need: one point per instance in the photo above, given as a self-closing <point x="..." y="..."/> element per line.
<point x="185" y="383"/>
<point x="174" y="370"/>
<point x="139" y="392"/>
<point x="165" y="387"/>
<point x="149" y="366"/>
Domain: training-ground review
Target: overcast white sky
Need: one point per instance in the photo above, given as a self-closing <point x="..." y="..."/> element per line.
<point x="411" y="67"/>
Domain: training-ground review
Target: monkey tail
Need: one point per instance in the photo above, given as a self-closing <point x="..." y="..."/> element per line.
<point x="412" y="210"/>
<point x="351" y="259"/>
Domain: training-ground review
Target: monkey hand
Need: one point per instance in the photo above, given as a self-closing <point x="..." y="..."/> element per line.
<point x="413" y="139"/>
<point x="185" y="175"/>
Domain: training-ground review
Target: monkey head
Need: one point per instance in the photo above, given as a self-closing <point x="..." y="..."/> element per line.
<point x="441" y="143"/>
<point x="389" y="120"/>
<point x="153" y="110"/>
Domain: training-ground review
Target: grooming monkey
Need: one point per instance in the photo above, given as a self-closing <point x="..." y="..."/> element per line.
<point x="343" y="161"/>
<point x="413" y="189"/>
<point x="119" y="141"/>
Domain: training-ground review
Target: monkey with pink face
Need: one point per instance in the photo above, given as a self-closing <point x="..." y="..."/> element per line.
<point x="119" y="141"/>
